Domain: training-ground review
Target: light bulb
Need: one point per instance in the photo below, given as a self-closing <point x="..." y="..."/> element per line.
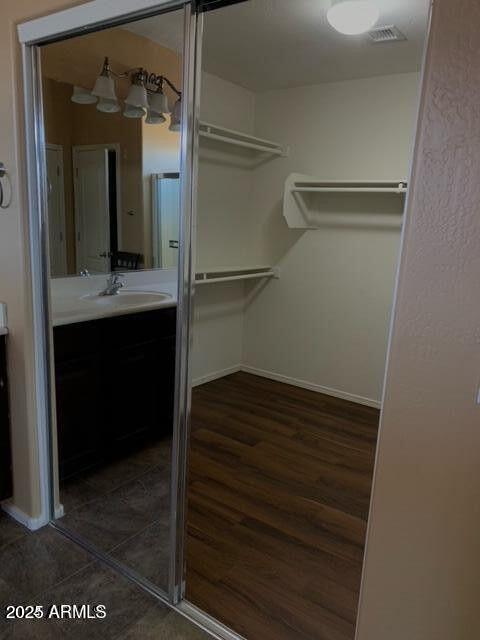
<point x="352" y="17"/>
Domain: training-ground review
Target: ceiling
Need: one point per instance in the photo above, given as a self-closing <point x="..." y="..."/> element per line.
<point x="274" y="44"/>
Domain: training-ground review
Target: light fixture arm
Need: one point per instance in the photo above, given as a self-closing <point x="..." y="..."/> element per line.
<point x="143" y="75"/>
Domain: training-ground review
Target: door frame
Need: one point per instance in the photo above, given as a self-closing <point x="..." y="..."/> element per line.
<point x="85" y="18"/>
<point x="59" y="148"/>
<point x="113" y="146"/>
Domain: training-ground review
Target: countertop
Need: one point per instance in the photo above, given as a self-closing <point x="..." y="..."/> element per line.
<point x="3" y="331"/>
<point x="69" y="307"/>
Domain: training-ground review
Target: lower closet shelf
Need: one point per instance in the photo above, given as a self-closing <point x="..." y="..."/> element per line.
<point x="212" y="276"/>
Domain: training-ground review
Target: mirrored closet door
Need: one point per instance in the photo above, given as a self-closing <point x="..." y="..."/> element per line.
<point x="112" y="122"/>
<point x="305" y="139"/>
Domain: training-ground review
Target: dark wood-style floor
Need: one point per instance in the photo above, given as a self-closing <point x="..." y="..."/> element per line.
<point x="279" y="491"/>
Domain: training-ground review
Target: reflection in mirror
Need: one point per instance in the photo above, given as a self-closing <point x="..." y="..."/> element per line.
<point x="111" y="102"/>
<point x="112" y="132"/>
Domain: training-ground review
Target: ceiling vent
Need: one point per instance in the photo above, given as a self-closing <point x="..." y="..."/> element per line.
<point x="386" y="34"/>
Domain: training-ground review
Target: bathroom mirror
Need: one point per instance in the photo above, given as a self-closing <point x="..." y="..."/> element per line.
<point x="111" y="108"/>
<point x="112" y="129"/>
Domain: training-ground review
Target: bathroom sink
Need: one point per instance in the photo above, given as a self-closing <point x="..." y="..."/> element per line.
<point x="127" y="298"/>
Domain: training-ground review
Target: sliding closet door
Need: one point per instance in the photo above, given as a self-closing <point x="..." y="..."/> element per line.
<point x="304" y="137"/>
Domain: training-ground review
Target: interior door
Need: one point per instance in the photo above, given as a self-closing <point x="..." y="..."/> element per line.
<point x="56" y="210"/>
<point x="92" y="209"/>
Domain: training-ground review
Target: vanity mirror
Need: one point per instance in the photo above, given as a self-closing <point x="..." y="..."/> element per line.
<point x="112" y="109"/>
<point x="112" y="103"/>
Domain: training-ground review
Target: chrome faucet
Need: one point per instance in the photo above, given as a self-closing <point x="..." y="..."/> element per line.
<point x="115" y="282"/>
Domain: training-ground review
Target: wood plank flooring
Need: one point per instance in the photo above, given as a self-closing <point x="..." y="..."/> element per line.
<point x="279" y="489"/>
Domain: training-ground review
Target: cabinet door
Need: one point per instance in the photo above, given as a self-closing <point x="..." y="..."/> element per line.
<point x="5" y="446"/>
<point x="140" y="380"/>
<point x="79" y="414"/>
<point x="78" y="375"/>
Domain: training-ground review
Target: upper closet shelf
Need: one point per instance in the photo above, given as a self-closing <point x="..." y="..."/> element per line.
<point x="239" y="139"/>
<point x="301" y="212"/>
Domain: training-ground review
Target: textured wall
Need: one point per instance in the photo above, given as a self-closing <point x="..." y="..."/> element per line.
<point x="14" y="279"/>
<point x="422" y="576"/>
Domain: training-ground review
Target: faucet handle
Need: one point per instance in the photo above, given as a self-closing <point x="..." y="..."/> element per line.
<point x="117" y="279"/>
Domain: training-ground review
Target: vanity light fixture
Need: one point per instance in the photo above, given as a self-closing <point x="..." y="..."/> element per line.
<point x="154" y="118"/>
<point x="104" y="84"/>
<point x="146" y="95"/>
<point x="353" y="17"/>
<point x="134" y="112"/>
<point x="176" y="117"/>
<point x="137" y="96"/>
<point x="82" y="96"/>
<point x="108" y="106"/>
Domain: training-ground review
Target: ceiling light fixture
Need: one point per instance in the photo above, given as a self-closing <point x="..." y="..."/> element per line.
<point x="146" y="95"/>
<point x="353" y="17"/>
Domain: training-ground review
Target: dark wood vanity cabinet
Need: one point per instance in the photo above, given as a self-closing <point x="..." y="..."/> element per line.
<point x="114" y="386"/>
<point x="5" y="445"/>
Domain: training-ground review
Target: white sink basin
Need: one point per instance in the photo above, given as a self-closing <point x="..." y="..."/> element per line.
<point x="127" y="298"/>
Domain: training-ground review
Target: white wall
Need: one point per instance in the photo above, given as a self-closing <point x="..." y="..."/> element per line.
<point x="325" y="321"/>
<point x="223" y="230"/>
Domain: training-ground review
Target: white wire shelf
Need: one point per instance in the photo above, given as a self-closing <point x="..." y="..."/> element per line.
<point x="239" y="139"/>
<point x="232" y="274"/>
<point x="302" y="210"/>
<point x="381" y="186"/>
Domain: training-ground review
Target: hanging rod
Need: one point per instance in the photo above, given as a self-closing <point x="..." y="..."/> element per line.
<point x="224" y="275"/>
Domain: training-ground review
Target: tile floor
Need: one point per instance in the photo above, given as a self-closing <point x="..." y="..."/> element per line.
<point x="123" y="510"/>
<point x="44" y="568"/>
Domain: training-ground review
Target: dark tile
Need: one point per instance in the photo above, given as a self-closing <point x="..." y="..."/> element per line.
<point x="114" y="518"/>
<point x="35" y="562"/>
<point x="150" y="494"/>
<point x="95" y="585"/>
<point x="148" y="554"/>
<point x="171" y="627"/>
<point x="9" y="529"/>
<point x="31" y="630"/>
<point x="146" y="627"/>
<point x="115" y="474"/>
<point x="156" y="454"/>
<point x="75" y="492"/>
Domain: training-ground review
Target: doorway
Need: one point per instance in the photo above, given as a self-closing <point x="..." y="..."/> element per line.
<point x="312" y="449"/>
<point x="97" y="188"/>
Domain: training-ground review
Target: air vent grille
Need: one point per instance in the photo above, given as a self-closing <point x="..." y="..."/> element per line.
<point x="386" y="34"/>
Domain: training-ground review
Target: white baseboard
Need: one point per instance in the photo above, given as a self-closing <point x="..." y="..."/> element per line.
<point x="304" y="384"/>
<point x="20" y="516"/>
<point x="216" y="375"/>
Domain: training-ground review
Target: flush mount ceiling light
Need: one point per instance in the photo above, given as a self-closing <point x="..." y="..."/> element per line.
<point x="352" y="17"/>
<point x="146" y="95"/>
